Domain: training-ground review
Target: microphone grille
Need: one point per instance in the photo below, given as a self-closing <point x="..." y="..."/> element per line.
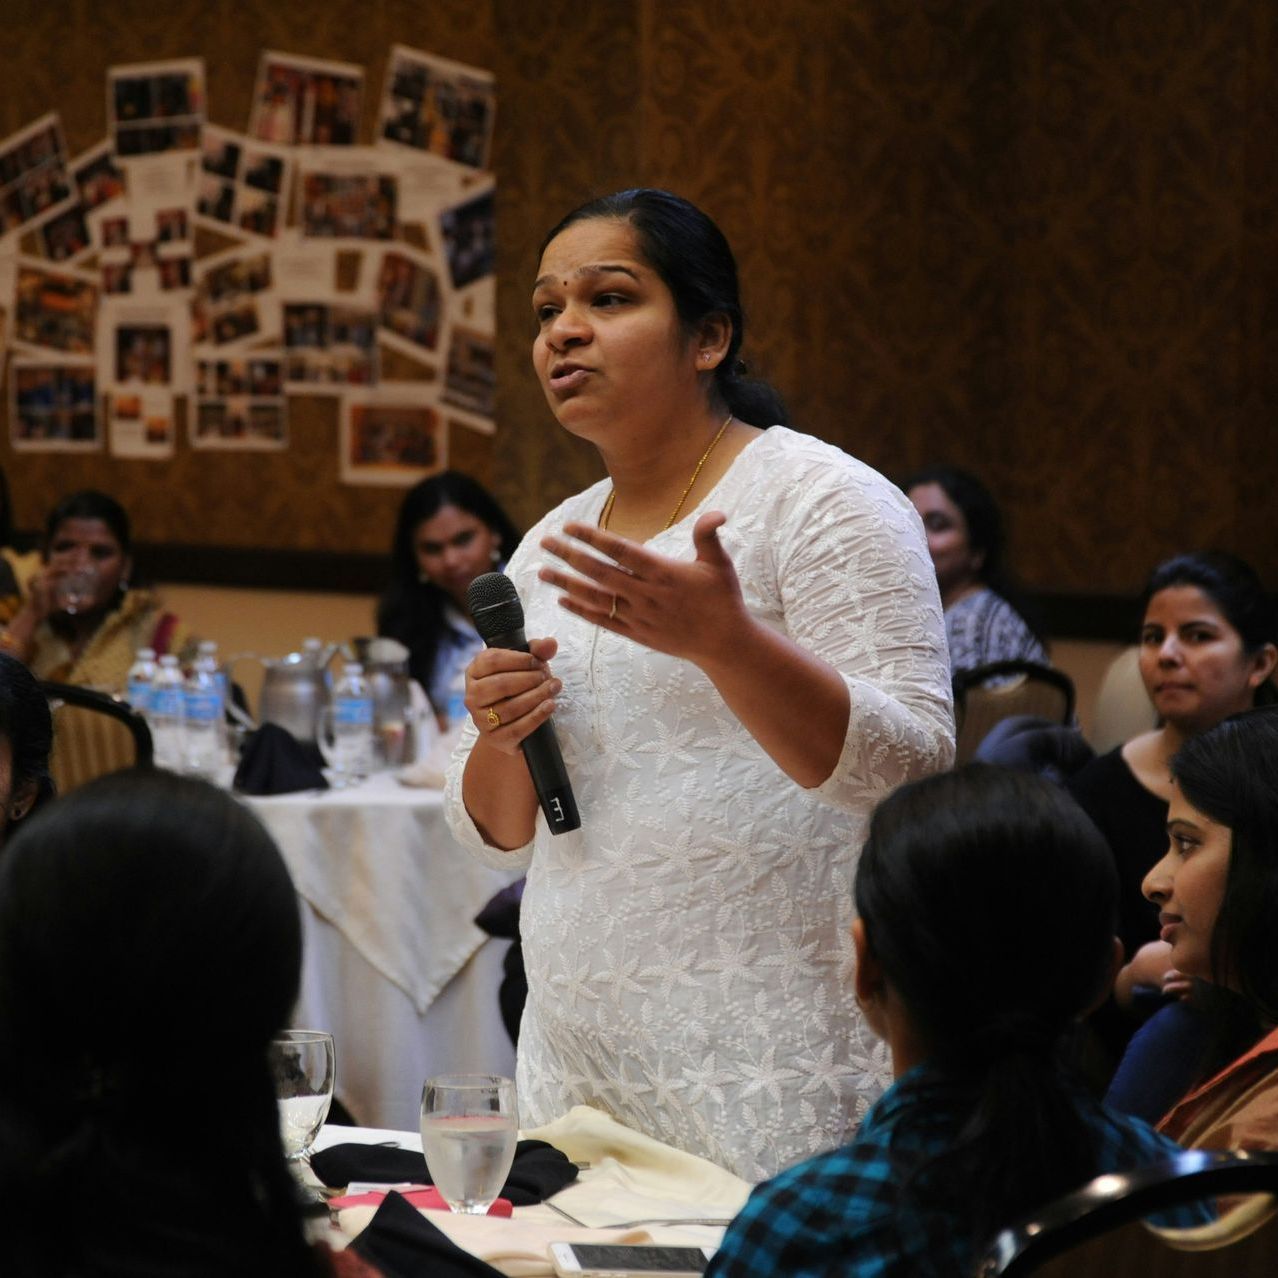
<point x="494" y="604"/>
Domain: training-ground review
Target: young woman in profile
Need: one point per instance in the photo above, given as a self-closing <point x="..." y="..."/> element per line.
<point x="1216" y="891"/>
<point x="966" y="879"/>
<point x="150" y="948"/>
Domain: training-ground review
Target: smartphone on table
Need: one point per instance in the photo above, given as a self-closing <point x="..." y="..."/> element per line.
<point x="627" y="1260"/>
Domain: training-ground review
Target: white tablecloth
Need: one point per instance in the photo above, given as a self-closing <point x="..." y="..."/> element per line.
<point x="628" y="1177"/>
<point x="394" y="966"/>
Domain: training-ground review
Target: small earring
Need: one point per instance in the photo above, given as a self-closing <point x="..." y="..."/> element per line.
<point x="495" y="555"/>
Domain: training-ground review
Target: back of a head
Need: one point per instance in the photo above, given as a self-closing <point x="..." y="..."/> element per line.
<point x="1230" y="774"/>
<point x="150" y="946"/>
<point x="968" y="879"/>
<point x="989" y="899"/>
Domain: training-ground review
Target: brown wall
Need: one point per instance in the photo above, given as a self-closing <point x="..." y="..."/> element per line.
<point x="1036" y="238"/>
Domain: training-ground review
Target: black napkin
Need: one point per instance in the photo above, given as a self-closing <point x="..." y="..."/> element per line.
<point x="401" y="1243"/>
<point x="539" y="1169"/>
<point x="275" y="762"/>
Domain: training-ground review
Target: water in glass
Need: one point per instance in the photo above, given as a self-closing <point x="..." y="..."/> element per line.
<point x="469" y="1130"/>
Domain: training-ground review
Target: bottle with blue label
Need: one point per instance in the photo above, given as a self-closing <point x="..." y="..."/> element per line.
<point x="352" y="712"/>
<point x="167" y="714"/>
<point x="203" y="720"/>
<point x="141" y="674"/>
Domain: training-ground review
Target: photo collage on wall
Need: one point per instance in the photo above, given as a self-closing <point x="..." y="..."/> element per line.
<point x="322" y="266"/>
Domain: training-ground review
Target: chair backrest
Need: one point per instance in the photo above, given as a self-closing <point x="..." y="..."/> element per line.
<point x="1100" y="1229"/>
<point x="1123" y="709"/>
<point x="93" y="734"/>
<point x="989" y="694"/>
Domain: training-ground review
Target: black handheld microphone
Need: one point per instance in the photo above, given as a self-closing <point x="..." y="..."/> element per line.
<point x="499" y="618"/>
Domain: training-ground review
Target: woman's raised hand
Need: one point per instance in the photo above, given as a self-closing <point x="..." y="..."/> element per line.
<point x="691" y="610"/>
<point x="510" y="694"/>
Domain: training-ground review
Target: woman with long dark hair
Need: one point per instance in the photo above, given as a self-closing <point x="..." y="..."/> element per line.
<point x="150" y="947"/>
<point x="748" y="654"/>
<point x="450" y="529"/>
<point x="1216" y="892"/>
<point x="965" y="881"/>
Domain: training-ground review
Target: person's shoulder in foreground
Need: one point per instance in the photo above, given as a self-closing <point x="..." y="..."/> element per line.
<point x="843" y="1212"/>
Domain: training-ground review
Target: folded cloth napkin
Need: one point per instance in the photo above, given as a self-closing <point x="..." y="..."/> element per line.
<point x="402" y="1243"/>
<point x="539" y="1169"/>
<point x="275" y="762"/>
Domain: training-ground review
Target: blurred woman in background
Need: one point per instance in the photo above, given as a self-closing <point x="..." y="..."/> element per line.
<point x="965" y="539"/>
<point x="80" y="622"/>
<point x="450" y="530"/>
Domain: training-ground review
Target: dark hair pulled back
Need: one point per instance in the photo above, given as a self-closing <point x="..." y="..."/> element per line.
<point x="694" y="260"/>
<point x="967" y="879"/>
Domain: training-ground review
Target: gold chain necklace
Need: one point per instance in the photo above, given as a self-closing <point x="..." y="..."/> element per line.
<point x="674" y="514"/>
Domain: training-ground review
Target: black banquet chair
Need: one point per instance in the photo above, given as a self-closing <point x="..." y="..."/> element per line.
<point x="1099" y="1230"/>
<point x="93" y="734"/>
<point x="986" y="695"/>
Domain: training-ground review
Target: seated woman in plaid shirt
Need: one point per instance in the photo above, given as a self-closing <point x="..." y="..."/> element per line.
<point x="967" y="879"/>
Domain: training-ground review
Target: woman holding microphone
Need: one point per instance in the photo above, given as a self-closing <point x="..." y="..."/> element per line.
<point x="748" y="653"/>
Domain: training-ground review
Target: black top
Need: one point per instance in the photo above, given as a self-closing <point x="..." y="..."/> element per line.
<point x="1134" y="823"/>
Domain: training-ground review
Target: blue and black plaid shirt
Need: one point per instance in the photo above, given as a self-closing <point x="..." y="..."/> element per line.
<point x="837" y="1213"/>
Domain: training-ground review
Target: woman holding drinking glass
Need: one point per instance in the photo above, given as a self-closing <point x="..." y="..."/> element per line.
<point x="748" y="653"/>
<point x="80" y="622"/>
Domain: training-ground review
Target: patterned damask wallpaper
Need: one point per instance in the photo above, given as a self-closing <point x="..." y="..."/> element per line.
<point x="1032" y="237"/>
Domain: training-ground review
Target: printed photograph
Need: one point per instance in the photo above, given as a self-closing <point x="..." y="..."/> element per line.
<point x="66" y="235"/>
<point x="408" y="301"/>
<point x="469" y="237"/>
<point x="33" y="173"/>
<point x="470" y="380"/>
<point x="153" y="107"/>
<point x="54" y="309"/>
<point x="243" y="185"/>
<point x="328" y="347"/>
<point x="441" y="107"/>
<point x="53" y="407"/>
<point x="98" y="178"/>
<point x="354" y="205"/>
<point x="306" y="101"/>
<point x="144" y="353"/>
<point x="391" y="443"/>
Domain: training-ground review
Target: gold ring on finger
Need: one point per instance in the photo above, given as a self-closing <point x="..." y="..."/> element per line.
<point x="612" y="612"/>
<point x="494" y="719"/>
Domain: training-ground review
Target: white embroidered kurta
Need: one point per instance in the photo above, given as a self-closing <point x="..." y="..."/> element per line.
<point x="688" y="952"/>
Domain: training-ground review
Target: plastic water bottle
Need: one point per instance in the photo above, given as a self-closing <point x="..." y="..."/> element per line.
<point x="352" y="756"/>
<point x="208" y="648"/>
<point x="205" y="739"/>
<point x="167" y="714"/>
<point x="140" y="677"/>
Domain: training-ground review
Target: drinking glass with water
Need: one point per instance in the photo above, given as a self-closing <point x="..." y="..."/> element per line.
<point x="470" y="1124"/>
<point x="302" y="1068"/>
